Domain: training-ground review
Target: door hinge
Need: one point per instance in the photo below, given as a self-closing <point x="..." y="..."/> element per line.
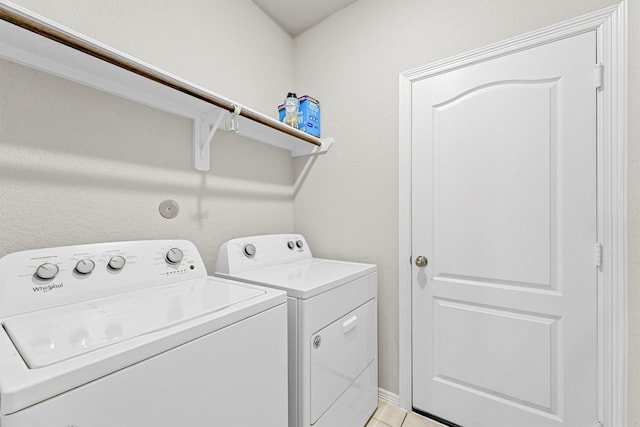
<point x="598" y="255"/>
<point x="598" y="76"/>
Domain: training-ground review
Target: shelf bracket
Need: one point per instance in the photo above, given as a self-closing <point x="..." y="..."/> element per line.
<point x="204" y="129"/>
<point x="313" y="150"/>
<point x="312" y="156"/>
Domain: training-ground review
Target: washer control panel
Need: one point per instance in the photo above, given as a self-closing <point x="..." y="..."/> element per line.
<point x="44" y="278"/>
<point x="250" y="253"/>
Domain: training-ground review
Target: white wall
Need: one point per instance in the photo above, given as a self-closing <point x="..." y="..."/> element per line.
<point x="78" y="165"/>
<point x="351" y="62"/>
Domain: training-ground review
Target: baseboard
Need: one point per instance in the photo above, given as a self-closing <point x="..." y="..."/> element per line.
<point x="387" y="396"/>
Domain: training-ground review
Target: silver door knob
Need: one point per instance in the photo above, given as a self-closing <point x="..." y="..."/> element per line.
<point x="422" y="261"/>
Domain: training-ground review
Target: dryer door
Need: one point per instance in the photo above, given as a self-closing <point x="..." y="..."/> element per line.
<point x="339" y="354"/>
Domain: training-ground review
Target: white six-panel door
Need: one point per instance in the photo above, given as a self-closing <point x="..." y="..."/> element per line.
<point x="504" y="327"/>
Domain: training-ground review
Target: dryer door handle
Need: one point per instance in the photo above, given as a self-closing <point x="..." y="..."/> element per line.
<point x="349" y="324"/>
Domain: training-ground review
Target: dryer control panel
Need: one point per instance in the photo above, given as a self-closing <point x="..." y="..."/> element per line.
<point x="254" y="252"/>
<point x="43" y="278"/>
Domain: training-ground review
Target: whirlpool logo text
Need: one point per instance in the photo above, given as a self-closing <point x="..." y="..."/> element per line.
<point x="47" y="288"/>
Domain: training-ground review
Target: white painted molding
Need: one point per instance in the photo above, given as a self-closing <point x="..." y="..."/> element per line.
<point x="582" y="24"/>
<point x="404" y="246"/>
<point x="387" y="396"/>
<point x="612" y="229"/>
<point x="610" y="25"/>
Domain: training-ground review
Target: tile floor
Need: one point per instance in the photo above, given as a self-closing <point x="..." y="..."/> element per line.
<point x="389" y="415"/>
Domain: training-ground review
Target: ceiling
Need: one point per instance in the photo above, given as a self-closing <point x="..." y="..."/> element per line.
<point x="296" y="16"/>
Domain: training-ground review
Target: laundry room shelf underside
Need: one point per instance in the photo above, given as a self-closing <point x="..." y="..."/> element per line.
<point x="37" y="42"/>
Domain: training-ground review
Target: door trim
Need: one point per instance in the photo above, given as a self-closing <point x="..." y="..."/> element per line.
<point x="611" y="187"/>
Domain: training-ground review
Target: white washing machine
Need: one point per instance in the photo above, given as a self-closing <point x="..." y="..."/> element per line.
<point x="332" y="310"/>
<point x="136" y="334"/>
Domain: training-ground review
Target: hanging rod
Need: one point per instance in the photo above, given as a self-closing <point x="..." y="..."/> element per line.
<point x="45" y="30"/>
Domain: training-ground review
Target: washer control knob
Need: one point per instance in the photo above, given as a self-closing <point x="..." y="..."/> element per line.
<point x="249" y="250"/>
<point x="85" y="266"/>
<point x="291" y="245"/>
<point x="116" y="262"/>
<point x="47" y="271"/>
<point x="174" y="256"/>
<point x="299" y="244"/>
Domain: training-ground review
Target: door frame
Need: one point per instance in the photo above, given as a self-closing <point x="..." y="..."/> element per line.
<point x="610" y="26"/>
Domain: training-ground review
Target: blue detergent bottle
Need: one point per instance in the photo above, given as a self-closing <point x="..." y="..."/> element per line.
<point x="291" y="106"/>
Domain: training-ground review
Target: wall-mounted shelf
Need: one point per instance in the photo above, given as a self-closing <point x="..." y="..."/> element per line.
<point x="37" y="42"/>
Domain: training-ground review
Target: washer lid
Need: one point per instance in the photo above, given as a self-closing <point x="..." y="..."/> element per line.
<point x="307" y="278"/>
<point x="49" y="336"/>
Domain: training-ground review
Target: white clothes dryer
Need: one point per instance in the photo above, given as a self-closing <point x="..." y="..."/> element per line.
<point x="332" y="314"/>
<point x="137" y="334"/>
